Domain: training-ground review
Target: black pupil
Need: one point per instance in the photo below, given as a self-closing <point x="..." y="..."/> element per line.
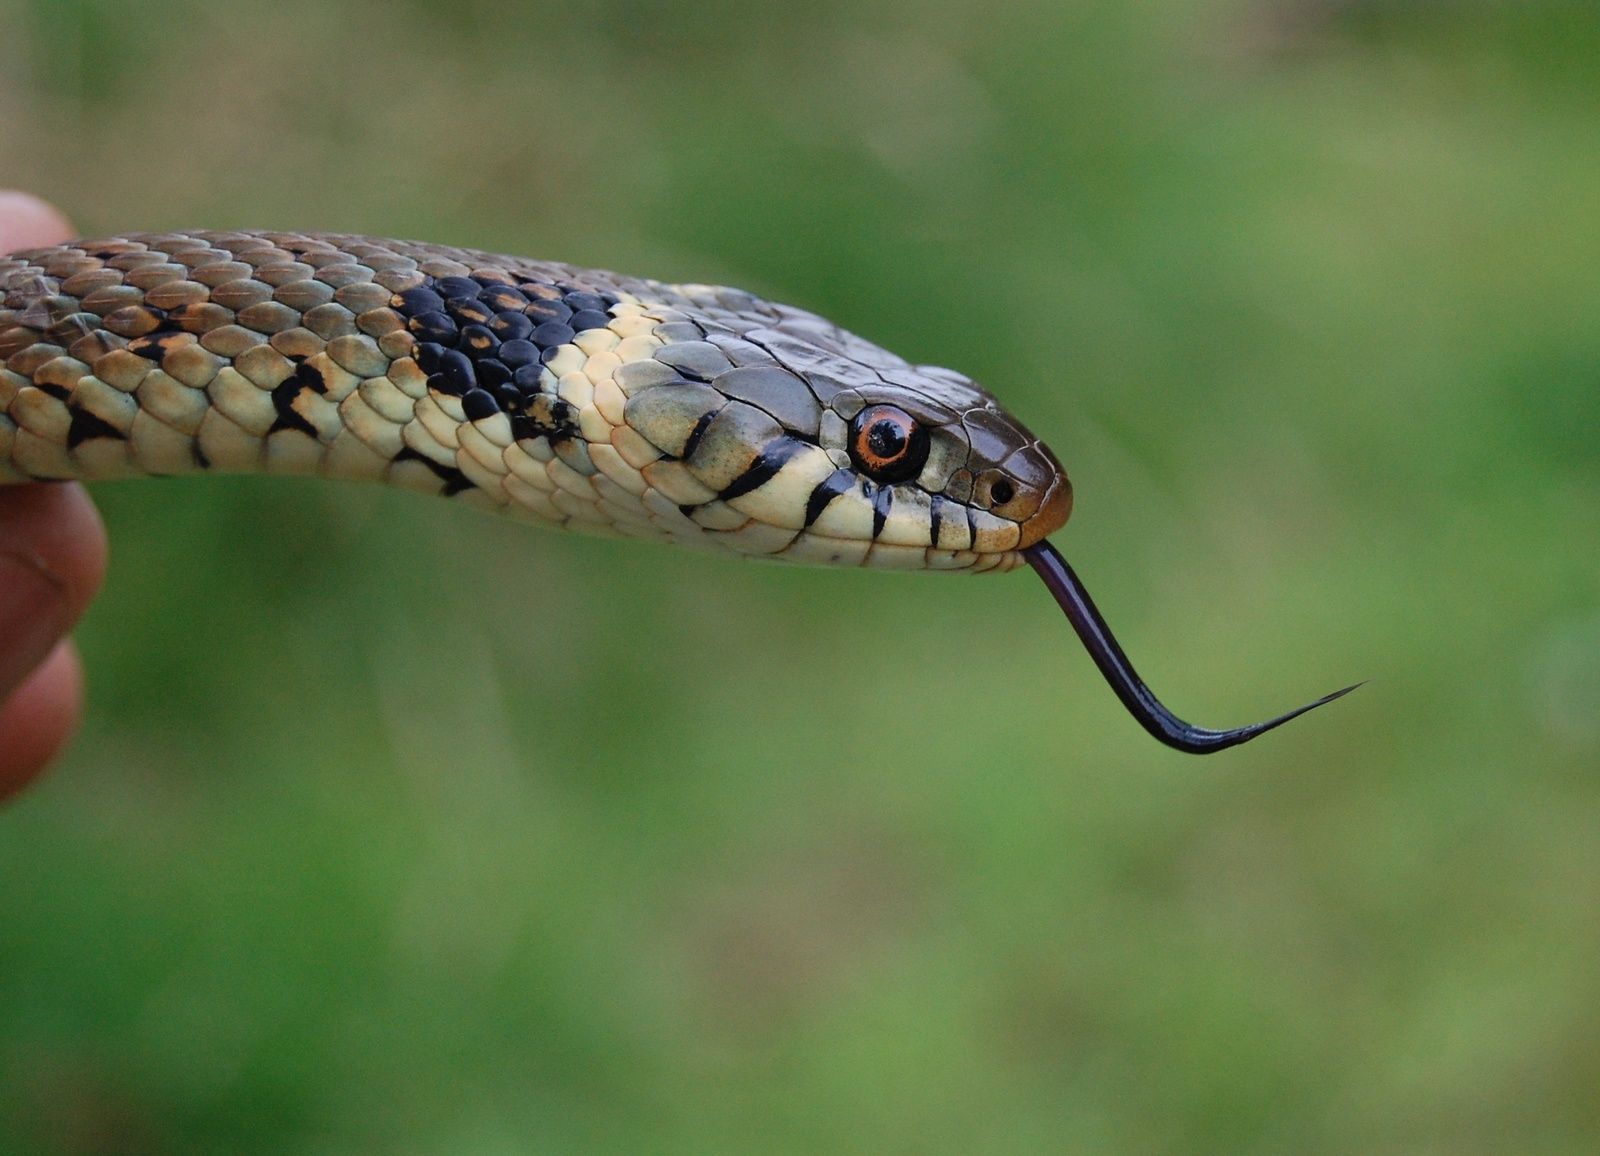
<point x="886" y="439"/>
<point x="1001" y="492"/>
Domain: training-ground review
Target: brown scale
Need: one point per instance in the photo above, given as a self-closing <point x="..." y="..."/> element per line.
<point x="155" y="346"/>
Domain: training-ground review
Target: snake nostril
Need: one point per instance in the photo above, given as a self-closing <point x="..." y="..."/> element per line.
<point x="1001" y="492"/>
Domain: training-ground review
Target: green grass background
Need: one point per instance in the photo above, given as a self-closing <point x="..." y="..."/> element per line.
<point x="396" y="828"/>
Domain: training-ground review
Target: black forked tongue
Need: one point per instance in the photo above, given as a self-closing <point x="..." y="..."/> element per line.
<point x="1135" y="695"/>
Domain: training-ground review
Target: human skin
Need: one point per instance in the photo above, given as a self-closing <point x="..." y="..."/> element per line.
<point x="52" y="558"/>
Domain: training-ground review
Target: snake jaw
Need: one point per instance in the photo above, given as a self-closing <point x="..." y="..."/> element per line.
<point x="1081" y="612"/>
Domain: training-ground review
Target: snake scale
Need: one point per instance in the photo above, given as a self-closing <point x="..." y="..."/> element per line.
<point x="571" y="397"/>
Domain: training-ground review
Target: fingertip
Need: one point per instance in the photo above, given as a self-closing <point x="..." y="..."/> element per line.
<point x="26" y="222"/>
<point x="57" y="526"/>
<point x="37" y="720"/>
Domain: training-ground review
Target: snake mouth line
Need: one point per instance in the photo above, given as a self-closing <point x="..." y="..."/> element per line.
<point x="1074" y="600"/>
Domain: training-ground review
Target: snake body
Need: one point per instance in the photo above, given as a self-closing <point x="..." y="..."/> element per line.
<point x="571" y="397"/>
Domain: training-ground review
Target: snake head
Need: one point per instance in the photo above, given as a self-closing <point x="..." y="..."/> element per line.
<point x="827" y="449"/>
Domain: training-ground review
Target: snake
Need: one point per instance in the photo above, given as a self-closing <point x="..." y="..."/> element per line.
<point x="569" y="397"/>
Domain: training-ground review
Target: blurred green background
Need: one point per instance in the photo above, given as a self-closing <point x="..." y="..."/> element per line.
<point x="396" y="828"/>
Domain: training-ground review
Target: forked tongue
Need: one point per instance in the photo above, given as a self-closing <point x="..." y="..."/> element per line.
<point x="1135" y="695"/>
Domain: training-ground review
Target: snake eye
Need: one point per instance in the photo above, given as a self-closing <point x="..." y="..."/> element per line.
<point x="887" y="445"/>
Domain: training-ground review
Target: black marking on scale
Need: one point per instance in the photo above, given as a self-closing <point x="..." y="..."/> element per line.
<point x="155" y="345"/>
<point x="698" y="432"/>
<point x="546" y="417"/>
<point x="881" y="501"/>
<point x="283" y="397"/>
<point x="310" y="376"/>
<point x="86" y="425"/>
<point x="454" y="480"/>
<point x="772" y="458"/>
<point x="836" y="483"/>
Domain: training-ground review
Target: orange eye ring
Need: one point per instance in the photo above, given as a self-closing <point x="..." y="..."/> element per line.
<point x="887" y="444"/>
